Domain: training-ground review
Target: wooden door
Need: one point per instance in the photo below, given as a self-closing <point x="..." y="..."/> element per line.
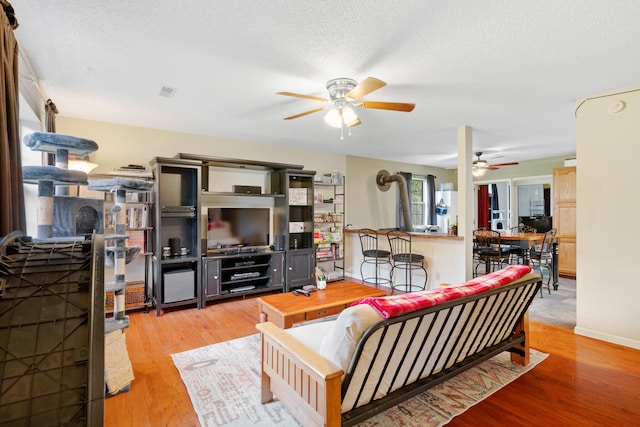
<point x="564" y="218"/>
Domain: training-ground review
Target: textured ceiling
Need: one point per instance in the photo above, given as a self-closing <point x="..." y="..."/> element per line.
<point x="511" y="70"/>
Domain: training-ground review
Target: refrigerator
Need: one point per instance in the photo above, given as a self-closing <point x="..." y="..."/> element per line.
<point x="450" y="200"/>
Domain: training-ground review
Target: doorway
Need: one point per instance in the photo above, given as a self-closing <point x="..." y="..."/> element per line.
<point x="493" y="201"/>
<point x="511" y="204"/>
<point x="533" y="204"/>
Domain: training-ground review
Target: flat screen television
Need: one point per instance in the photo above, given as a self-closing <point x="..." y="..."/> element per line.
<point x="233" y="227"/>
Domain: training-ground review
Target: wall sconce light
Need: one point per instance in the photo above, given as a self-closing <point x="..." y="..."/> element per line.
<point x="81" y="164"/>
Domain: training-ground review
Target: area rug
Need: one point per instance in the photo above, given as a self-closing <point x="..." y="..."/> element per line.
<point x="223" y="382"/>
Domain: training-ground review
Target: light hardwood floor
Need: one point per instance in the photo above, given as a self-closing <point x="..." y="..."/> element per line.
<point x="584" y="382"/>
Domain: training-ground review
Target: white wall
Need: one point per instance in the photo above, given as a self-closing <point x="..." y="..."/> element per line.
<point x="121" y="145"/>
<point x="365" y="206"/>
<point x="369" y="207"/>
<point x="608" y="285"/>
<point x="29" y="123"/>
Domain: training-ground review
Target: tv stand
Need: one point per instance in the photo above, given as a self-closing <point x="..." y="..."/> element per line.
<point x="240" y="251"/>
<point x="241" y="272"/>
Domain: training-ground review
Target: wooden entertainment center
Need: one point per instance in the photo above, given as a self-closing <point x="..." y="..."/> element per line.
<point x="205" y="209"/>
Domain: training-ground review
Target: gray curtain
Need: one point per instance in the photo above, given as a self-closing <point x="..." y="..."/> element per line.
<point x="495" y="205"/>
<point x="50" y="111"/>
<point x="12" y="215"/>
<point x="431" y="200"/>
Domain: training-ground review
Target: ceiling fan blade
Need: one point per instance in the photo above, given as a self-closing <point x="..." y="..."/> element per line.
<point x="395" y="106"/>
<point x="315" y="110"/>
<point x="503" y="164"/>
<point x="365" y="87"/>
<point x="299" y="95"/>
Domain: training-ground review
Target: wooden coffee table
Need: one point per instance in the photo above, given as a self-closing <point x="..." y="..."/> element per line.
<point x="286" y="309"/>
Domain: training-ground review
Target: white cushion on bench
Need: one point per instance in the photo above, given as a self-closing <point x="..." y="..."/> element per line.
<point x="312" y="334"/>
<point x="340" y="342"/>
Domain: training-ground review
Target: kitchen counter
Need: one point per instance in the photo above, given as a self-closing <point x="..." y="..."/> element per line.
<point x="416" y="234"/>
<point x="444" y="255"/>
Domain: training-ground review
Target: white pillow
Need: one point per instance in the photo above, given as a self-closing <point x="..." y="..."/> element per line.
<point x="340" y="343"/>
<point x="312" y="334"/>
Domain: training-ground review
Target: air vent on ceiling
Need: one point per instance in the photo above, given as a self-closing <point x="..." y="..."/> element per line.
<point x="167" y="92"/>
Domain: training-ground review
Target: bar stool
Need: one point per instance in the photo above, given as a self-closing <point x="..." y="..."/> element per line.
<point x="373" y="255"/>
<point x="403" y="258"/>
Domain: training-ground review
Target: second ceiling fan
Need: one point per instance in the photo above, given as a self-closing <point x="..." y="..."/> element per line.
<point x="480" y="166"/>
<point x="345" y="95"/>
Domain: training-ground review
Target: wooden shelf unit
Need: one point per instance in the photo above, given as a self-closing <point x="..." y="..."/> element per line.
<point x="177" y="216"/>
<point x="329" y="202"/>
<point x="293" y="222"/>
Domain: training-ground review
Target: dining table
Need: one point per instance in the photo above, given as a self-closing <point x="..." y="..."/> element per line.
<point x="527" y="240"/>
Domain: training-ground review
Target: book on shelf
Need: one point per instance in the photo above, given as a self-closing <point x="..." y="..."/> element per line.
<point x="326" y="251"/>
<point x="136" y="197"/>
<point x="131" y="173"/>
<point x="298" y="197"/>
<point x="135" y="218"/>
<point x="132" y="170"/>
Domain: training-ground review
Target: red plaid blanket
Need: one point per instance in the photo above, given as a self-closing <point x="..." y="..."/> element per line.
<point x="395" y="305"/>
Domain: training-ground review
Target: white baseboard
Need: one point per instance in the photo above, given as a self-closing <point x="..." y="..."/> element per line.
<point x="607" y="337"/>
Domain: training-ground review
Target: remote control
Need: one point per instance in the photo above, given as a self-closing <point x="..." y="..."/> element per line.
<point x="301" y="292"/>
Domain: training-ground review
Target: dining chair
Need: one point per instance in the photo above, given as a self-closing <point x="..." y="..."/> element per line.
<point x="373" y="255"/>
<point x="489" y="251"/>
<point x="518" y="254"/>
<point x="541" y="257"/>
<point x="403" y="258"/>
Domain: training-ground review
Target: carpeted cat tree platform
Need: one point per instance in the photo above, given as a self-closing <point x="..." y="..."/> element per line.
<point x="64" y="217"/>
<point x="59" y="215"/>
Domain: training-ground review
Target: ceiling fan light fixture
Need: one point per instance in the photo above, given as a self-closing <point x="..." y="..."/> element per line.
<point x="341" y="116"/>
<point x="481" y="164"/>
<point x="345" y="95"/>
<point x="349" y="116"/>
<point x="333" y="118"/>
<point x="478" y="171"/>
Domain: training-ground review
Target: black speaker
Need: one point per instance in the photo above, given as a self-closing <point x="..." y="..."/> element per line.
<point x="247" y="189"/>
<point x="279" y="243"/>
<point x="174" y="244"/>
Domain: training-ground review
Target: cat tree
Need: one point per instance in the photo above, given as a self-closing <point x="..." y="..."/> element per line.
<point x="64" y="217"/>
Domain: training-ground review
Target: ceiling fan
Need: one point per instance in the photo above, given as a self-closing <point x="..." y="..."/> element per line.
<point x="480" y="167"/>
<point x="344" y="96"/>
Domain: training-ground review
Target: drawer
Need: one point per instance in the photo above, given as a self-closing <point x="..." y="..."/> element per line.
<point x="296" y="318"/>
<point x="317" y="314"/>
